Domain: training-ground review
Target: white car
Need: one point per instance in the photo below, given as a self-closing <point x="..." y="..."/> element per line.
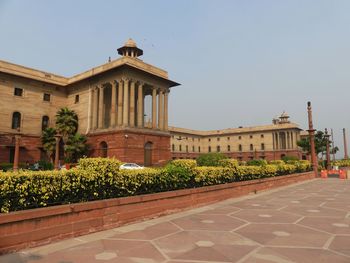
<point x="130" y="166"/>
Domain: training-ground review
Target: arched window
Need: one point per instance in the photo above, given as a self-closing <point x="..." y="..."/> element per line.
<point x="44" y="122"/>
<point x="103" y="149"/>
<point x="262" y="146"/>
<point x="251" y="147"/>
<point x="229" y="147"/>
<point x="16" y="120"/>
<point x="240" y="147"/>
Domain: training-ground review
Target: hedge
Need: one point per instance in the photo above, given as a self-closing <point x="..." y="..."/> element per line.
<point x="342" y="163"/>
<point x="100" y="178"/>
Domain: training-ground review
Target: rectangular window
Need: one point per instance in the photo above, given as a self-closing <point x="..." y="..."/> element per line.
<point x="76" y="99"/>
<point x="251" y="136"/>
<point x="192" y="148"/>
<point x="228" y="148"/>
<point x="218" y="149"/>
<point x="47" y="97"/>
<point x="199" y="149"/>
<point x="18" y="92"/>
<point x="209" y="149"/>
<point x="209" y="139"/>
<point x="239" y="137"/>
<point x="262" y="135"/>
<point x="218" y="139"/>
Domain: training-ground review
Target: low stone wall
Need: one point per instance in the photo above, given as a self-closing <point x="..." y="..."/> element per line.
<point x="39" y="226"/>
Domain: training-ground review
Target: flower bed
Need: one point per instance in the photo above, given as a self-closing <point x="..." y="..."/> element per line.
<point x="100" y="178"/>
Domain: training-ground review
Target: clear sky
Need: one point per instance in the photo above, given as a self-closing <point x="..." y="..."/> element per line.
<point x="240" y="63"/>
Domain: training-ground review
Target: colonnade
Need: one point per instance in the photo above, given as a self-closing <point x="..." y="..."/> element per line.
<point x="122" y="103"/>
<point x="284" y="140"/>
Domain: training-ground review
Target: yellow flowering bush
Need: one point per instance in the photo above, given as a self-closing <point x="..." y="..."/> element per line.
<point x="342" y="163"/>
<point x="100" y="178"/>
<point x="184" y="163"/>
<point x="229" y="163"/>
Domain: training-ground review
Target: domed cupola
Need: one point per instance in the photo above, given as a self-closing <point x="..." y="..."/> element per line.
<point x="130" y="49"/>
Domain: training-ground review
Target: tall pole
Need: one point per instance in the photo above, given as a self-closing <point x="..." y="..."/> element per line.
<point x="333" y="152"/>
<point x="345" y="146"/>
<point x="328" y="156"/>
<point x="57" y="151"/>
<point x="312" y="139"/>
<point x="16" y="157"/>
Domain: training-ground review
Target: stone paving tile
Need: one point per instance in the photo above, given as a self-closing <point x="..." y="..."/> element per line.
<point x="331" y="225"/>
<point x="314" y="211"/>
<point x="305" y="222"/>
<point x="149" y="233"/>
<point x="284" y="235"/>
<point x="291" y="255"/>
<point x="206" y="245"/>
<point x="266" y="216"/>
<point x="341" y="244"/>
<point x="208" y="222"/>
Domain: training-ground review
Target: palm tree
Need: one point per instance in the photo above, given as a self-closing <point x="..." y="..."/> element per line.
<point x="66" y="123"/>
<point x="48" y="141"/>
<point x="75" y="147"/>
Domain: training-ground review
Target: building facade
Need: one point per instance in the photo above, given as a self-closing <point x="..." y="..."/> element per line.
<point x="111" y="101"/>
<point x="270" y="142"/>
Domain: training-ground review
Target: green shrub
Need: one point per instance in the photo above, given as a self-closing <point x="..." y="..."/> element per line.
<point x="100" y="178"/>
<point x="229" y="163"/>
<point x="289" y="158"/>
<point x="277" y="162"/>
<point x="342" y="163"/>
<point x="210" y="159"/>
<point x="9" y="166"/>
<point x="100" y="165"/>
<point x="44" y="165"/>
<point x="259" y="162"/>
<point x="185" y="163"/>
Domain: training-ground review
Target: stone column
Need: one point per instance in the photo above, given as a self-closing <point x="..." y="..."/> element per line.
<point x="120" y="103"/>
<point x="154" y="108"/>
<point x="16" y="157"/>
<point x="132" y="104"/>
<point x="140" y="105"/>
<point x="161" y="110"/>
<point x="113" y="103"/>
<point x="126" y="103"/>
<point x="166" y="95"/>
<point x="95" y="109"/>
<point x="100" y="107"/>
<point x="91" y="109"/>
<point x="273" y="141"/>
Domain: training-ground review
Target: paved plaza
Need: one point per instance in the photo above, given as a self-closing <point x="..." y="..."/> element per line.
<point x="306" y="222"/>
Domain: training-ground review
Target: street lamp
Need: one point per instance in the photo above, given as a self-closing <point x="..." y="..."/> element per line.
<point x="311" y="131"/>
<point x="328" y="157"/>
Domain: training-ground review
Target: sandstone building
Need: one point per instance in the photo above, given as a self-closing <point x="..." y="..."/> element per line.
<point x="110" y="101"/>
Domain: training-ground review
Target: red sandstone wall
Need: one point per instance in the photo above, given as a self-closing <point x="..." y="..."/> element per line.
<point x="43" y="225"/>
<point x="128" y="146"/>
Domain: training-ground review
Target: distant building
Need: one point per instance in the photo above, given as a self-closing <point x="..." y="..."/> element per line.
<point x="270" y="142"/>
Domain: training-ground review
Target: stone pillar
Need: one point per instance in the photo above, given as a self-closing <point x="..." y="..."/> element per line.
<point x="273" y="141"/>
<point x="16" y="157"/>
<point x="312" y="140"/>
<point x="161" y="109"/>
<point x="346" y="156"/>
<point x="166" y="95"/>
<point x="91" y="109"/>
<point x="154" y="108"/>
<point x="100" y="107"/>
<point x="120" y="103"/>
<point x="126" y="103"/>
<point x="132" y="104"/>
<point x="140" y="105"/>
<point x="113" y="103"/>
<point x="95" y="109"/>
<point x="57" y="151"/>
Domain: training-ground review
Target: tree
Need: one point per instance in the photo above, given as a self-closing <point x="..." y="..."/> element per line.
<point x="210" y="159"/>
<point x="66" y="123"/>
<point x="48" y="141"/>
<point x="320" y="143"/>
<point x="75" y="147"/>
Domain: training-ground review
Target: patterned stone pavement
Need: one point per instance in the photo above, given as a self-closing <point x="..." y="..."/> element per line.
<point x="307" y="222"/>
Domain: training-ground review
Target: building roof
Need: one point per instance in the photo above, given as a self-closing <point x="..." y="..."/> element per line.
<point x="262" y="128"/>
<point x="47" y="77"/>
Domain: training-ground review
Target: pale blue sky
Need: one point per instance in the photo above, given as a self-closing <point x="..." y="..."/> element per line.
<point x="239" y="62"/>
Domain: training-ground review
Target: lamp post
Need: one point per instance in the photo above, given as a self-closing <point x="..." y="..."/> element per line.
<point x="57" y="151"/>
<point x="16" y="157"/>
<point x="345" y="145"/>
<point x="311" y="131"/>
<point x="333" y="153"/>
<point x="328" y="156"/>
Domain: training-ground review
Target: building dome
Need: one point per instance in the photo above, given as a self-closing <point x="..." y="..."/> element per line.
<point x="130" y="49"/>
<point x="130" y="43"/>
